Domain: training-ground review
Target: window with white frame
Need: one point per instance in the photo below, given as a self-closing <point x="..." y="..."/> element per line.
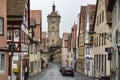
<point x="16" y="33"/>
<point x="2" y="62"/>
<point x="9" y="36"/>
<point x="1" y="26"/>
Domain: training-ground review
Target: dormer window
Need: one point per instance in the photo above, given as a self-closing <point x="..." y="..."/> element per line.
<point x="1" y="26"/>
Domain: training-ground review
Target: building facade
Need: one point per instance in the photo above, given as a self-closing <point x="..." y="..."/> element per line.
<point x="53" y="20"/>
<point x="34" y="47"/>
<point x="81" y="36"/>
<point x="71" y="56"/>
<point x="65" y="54"/>
<point x="102" y="39"/>
<point x="89" y="56"/>
<point x="73" y="45"/>
<point x="4" y="54"/>
<point x="44" y="51"/>
<point x="17" y="25"/>
<point x="114" y="7"/>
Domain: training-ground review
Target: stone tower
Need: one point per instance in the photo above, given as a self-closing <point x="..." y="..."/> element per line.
<point x="53" y="27"/>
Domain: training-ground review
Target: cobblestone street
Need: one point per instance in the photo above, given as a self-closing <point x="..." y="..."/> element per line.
<point x="52" y="73"/>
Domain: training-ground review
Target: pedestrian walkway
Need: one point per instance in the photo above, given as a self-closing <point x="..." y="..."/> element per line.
<point x="82" y="77"/>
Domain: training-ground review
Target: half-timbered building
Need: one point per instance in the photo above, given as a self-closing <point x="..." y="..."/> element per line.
<point x="17" y="25"/>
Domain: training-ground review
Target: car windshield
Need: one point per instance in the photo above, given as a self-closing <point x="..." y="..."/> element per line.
<point x="68" y="68"/>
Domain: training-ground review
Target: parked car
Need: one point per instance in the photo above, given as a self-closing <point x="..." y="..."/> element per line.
<point x="67" y="71"/>
<point x="61" y="69"/>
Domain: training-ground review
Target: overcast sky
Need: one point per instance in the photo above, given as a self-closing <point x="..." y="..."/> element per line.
<point x="68" y="10"/>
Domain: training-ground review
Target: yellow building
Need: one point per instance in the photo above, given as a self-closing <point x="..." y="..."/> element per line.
<point x="58" y="56"/>
<point x="34" y="50"/>
<point x="102" y="38"/>
<point x="45" y="59"/>
<point x="81" y="56"/>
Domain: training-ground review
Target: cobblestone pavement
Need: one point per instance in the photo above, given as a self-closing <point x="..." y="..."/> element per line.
<point x="52" y="73"/>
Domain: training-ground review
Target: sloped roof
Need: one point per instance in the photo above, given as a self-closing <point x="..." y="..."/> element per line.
<point x="75" y="25"/>
<point x="91" y="12"/>
<point x="83" y="16"/>
<point x="37" y="14"/>
<point x="15" y="7"/>
<point x="54" y="13"/>
<point x="65" y="39"/>
<point x="65" y="36"/>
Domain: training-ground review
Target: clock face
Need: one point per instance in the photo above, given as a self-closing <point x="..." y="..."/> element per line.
<point x="53" y="21"/>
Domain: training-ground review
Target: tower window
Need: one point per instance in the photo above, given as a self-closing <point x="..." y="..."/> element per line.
<point x="53" y="27"/>
<point x="53" y="40"/>
<point x="53" y="21"/>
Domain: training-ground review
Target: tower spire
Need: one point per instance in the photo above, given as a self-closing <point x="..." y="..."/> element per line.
<point x="53" y="7"/>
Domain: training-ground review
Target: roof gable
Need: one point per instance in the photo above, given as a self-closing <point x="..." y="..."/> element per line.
<point x="15" y="7"/>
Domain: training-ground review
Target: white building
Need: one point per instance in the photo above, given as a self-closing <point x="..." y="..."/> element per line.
<point x="114" y="7"/>
<point x="89" y="56"/>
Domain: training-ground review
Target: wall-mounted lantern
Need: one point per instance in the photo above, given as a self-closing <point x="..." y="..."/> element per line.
<point x="109" y="50"/>
<point x="118" y="47"/>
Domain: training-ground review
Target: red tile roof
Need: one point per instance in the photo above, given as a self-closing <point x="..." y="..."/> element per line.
<point x="15" y="7"/>
<point x="65" y="38"/>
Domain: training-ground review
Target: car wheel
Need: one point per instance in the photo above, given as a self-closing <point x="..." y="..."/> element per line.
<point x="63" y="74"/>
<point x="72" y="75"/>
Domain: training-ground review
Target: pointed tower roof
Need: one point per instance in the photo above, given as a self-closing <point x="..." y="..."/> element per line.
<point x="53" y="13"/>
<point x="53" y="7"/>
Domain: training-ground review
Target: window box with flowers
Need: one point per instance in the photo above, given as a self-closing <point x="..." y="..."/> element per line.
<point x="1" y="26"/>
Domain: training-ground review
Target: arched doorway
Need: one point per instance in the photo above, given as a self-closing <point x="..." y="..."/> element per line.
<point x="51" y="57"/>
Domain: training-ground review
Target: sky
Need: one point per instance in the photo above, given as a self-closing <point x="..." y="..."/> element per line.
<point x="68" y="10"/>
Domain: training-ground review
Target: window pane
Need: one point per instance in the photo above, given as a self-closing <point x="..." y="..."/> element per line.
<point x="2" y="62"/>
<point x="16" y="33"/>
<point x="9" y="36"/>
<point x="1" y="26"/>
